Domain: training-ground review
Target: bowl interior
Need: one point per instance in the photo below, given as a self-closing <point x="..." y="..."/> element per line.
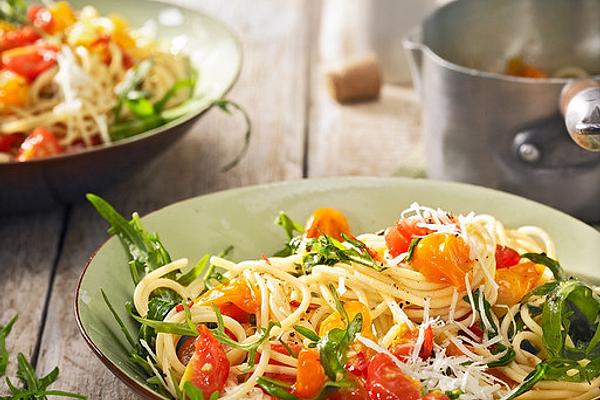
<point x="244" y="218"/>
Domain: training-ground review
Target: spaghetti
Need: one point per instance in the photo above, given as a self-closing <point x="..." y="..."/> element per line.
<point x="73" y="80"/>
<point x="436" y="306"/>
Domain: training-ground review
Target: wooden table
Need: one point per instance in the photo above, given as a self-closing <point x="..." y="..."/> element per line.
<point x="298" y="132"/>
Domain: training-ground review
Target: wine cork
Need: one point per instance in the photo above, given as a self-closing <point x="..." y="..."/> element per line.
<point x="358" y="80"/>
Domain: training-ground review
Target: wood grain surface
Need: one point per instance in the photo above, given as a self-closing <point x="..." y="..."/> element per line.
<point x="298" y="131"/>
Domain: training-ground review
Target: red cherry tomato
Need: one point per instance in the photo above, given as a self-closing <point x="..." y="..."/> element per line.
<point x="358" y="365"/>
<point x="385" y="381"/>
<point x="427" y="347"/>
<point x="40" y="17"/>
<point x="18" y="38"/>
<point x="30" y="61"/>
<point x="311" y="375"/>
<point x="399" y="236"/>
<point x="356" y="392"/>
<point x="210" y="367"/>
<point x="233" y="311"/>
<point x="506" y="257"/>
<point x="40" y="143"/>
<point x="10" y="141"/>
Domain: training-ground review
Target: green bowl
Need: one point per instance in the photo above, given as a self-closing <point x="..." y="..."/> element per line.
<point x="214" y="51"/>
<point x="244" y="218"/>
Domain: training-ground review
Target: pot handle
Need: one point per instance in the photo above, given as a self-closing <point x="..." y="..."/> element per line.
<point x="580" y="105"/>
<point x="414" y="49"/>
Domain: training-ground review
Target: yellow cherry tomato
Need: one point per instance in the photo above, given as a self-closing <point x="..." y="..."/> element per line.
<point x="352" y="308"/>
<point x="443" y="258"/>
<point x="328" y="221"/>
<point x="515" y="282"/>
<point x="63" y="16"/>
<point x="13" y="90"/>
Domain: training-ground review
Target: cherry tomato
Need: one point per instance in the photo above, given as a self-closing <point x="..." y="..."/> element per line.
<point x="506" y="257"/>
<point x="515" y="282"/>
<point x="435" y="396"/>
<point x="386" y="381"/>
<point x="311" y="376"/>
<point x="185" y="349"/>
<point x="208" y="368"/>
<point x="40" y="143"/>
<point x="357" y="365"/>
<point x="328" y="221"/>
<point x="233" y="311"/>
<point x="356" y="392"/>
<point x="40" y="17"/>
<point x="403" y="343"/>
<point x="30" y="61"/>
<point x="238" y="292"/>
<point x="18" y="38"/>
<point x="10" y="142"/>
<point x="443" y="258"/>
<point x="399" y="236"/>
<point x="13" y="90"/>
<point x="517" y="67"/>
<point x="352" y="308"/>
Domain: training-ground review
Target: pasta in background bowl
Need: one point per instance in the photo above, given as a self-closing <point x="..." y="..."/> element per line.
<point x="111" y="87"/>
<point x="393" y="271"/>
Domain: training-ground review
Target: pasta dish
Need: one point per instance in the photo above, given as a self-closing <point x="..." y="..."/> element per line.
<point x="435" y="306"/>
<point x="74" y="79"/>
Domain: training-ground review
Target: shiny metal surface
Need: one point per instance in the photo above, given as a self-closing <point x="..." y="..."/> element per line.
<point x="582" y="118"/>
<point x="500" y="131"/>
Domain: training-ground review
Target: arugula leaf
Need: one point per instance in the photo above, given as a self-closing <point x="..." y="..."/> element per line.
<point x="543" y="259"/>
<point x="275" y="388"/>
<point x="289" y="225"/>
<point x="334" y="346"/>
<point x="541" y="290"/>
<point x="178" y="86"/>
<point x="13" y="11"/>
<point x="4" y="331"/>
<point x="195" y="272"/>
<point x="192" y="392"/>
<point x="122" y="326"/>
<point x="411" y="249"/>
<point x="146" y="252"/>
<point x="213" y="275"/>
<point x="530" y="380"/>
<point x="161" y="326"/>
<point x="307" y="333"/>
<point x="223" y="105"/>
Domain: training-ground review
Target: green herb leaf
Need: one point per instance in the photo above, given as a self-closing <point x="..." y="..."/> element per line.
<point x="411" y="249"/>
<point x="164" y="327"/>
<point x="4" y="331"/>
<point x="529" y="382"/>
<point x="192" y="392"/>
<point x="122" y="326"/>
<point x="275" y="388"/>
<point x="334" y="346"/>
<point x="13" y="11"/>
<point x="307" y="333"/>
<point x="543" y="259"/>
<point x="290" y="226"/>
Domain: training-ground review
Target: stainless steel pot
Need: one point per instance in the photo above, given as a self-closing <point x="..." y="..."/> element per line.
<point x="484" y="127"/>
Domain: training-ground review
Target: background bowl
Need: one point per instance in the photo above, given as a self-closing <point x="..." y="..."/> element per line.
<point x="214" y="51"/>
<point x="244" y="218"/>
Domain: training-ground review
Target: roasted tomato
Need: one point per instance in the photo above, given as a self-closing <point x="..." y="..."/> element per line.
<point x="311" y="376"/>
<point x="13" y="90"/>
<point x="506" y="257"/>
<point x="399" y="236"/>
<point x="352" y="308"/>
<point x="238" y="292"/>
<point x="208" y="368"/>
<point x="40" y="143"/>
<point x="403" y="344"/>
<point x="30" y="61"/>
<point x="443" y="258"/>
<point x="386" y="381"/>
<point x="18" y="37"/>
<point x="328" y="221"/>
<point x="515" y="282"/>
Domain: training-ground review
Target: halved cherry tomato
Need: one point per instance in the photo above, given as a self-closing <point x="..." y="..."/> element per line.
<point x="515" y="282"/>
<point x="328" y="221"/>
<point x="13" y="90"/>
<point x="18" y="38"/>
<point x="208" y="368"/>
<point x="403" y="343"/>
<point x="356" y="392"/>
<point x="40" y="17"/>
<point x="30" y="61"/>
<point x="10" y="142"/>
<point x="238" y="292"/>
<point x="386" y="381"/>
<point x="233" y="311"/>
<point x="443" y="258"/>
<point x="185" y="349"/>
<point x="506" y="257"/>
<point x="358" y="365"/>
<point x="311" y="375"/>
<point x="352" y="308"/>
<point x="40" y="143"/>
<point x="399" y="236"/>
